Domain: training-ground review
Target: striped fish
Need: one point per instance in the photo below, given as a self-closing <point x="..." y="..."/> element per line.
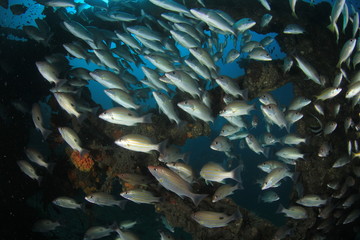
<point x="216" y="173"/>
<point x="140" y="196"/>
<point x="214" y="219"/>
<point x="139" y="143"/>
<point x="173" y="182"/>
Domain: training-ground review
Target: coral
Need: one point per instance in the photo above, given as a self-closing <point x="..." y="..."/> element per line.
<point x="84" y="163"/>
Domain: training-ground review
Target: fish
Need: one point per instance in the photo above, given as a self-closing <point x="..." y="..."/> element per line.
<point x="293" y="139"/>
<point x="298" y="103"/>
<point x="174" y="183"/>
<point x="355" y="27"/>
<point x="45" y="225"/>
<point x="269" y="196"/>
<point x="96" y="232"/>
<point x="275" y="176"/>
<point x="121" y="97"/>
<point x="184" y="82"/>
<point x="196" y="109"/>
<point x="214" y="172"/>
<point x="230" y="87"/>
<point x="324" y="150"/>
<point x="184" y="39"/>
<point x="265" y="4"/>
<point x="29" y="170"/>
<point x="293" y="29"/>
<point x="49" y="72"/>
<point x="140" y="196"/>
<point x="237" y="108"/>
<point x="184" y="170"/>
<point x="308" y="70"/>
<point x="352" y="216"/>
<point x="78" y="30"/>
<point x="71" y="138"/>
<point x="328" y="93"/>
<point x="289" y="153"/>
<point x="171" y="6"/>
<point x="295" y="212"/>
<point x="104" y="199"/>
<point x="265" y="20"/>
<point x="336" y="10"/>
<point x="36" y="157"/>
<point x="243" y="24"/>
<point x="232" y="55"/>
<point x="139" y="143"/>
<point x="268" y="166"/>
<point x="330" y="127"/>
<point x="353" y="89"/>
<point x="228" y="130"/>
<point x="38" y="120"/>
<point x="66" y="202"/>
<point x="166" y="106"/>
<point x="346" y="51"/>
<point x="203" y="57"/>
<point x="288" y="63"/>
<point x="108" y="79"/>
<point x="172" y="154"/>
<point x="214" y="219"/>
<point x="145" y="33"/>
<point x="221" y="144"/>
<point x="292" y="6"/>
<point x="341" y="161"/>
<point x="255" y="146"/>
<point x="134" y="179"/>
<point x="266" y="99"/>
<point x="124" y="116"/>
<point x="259" y="54"/>
<point x="311" y="200"/>
<point x="68" y="104"/>
<point x="273" y="113"/>
<point x="225" y="190"/>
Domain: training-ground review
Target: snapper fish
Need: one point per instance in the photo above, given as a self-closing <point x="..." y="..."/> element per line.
<point x="214" y="219"/>
<point x="214" y="172"/>
<point x="38" y="120"/>
<point x="139" y="143"/>
<point x="124" y="116"/>
<point x="173" y="182"/>
<point x="72" y="139"/>
<point x="104" y="199"/>
<point x="197" y="109"/>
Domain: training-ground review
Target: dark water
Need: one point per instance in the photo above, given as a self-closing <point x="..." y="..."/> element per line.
<point x="28" y="202"/>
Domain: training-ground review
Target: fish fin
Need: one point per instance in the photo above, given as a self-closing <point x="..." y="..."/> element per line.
<point x="196" y="198"/>
<point x="236" y="174"/>
<point x="239" y="186"/>
<point x="147" y="118"/>
<point x="280" y="209"/>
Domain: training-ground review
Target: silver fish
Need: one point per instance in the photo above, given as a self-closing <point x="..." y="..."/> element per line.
<point x="216" y="173"/>
<point x="29" y="170"/>
<point x="173" y="182"/>
<point x="140" y="196"/>
<point x="66" y="202"/>
<point x="104" y="199"/>
<point x="275" y="176"/>
<point x="124" y="116"/>
<point x="38" y="120"/>
<point x="311" y="200"/>
<point x="197" y="109"/>
<point x="225" y="190"/>
<point x="295" y="212"/>
<point x="139" y="143"/>
<point x="72" y="139"/>
<point x="45" y="225"/>
<point x="214" y="219"/>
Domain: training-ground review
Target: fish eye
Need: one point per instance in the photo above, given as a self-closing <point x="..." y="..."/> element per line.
<point x="221" y="218"/>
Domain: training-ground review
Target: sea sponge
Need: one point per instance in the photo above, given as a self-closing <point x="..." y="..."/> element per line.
<point x="84" y="163"/>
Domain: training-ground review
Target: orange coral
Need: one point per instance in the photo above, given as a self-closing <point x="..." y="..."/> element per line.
<point x="84" y="163"/>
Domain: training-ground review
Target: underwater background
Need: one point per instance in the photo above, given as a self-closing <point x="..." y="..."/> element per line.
<point x="24" y="201"/>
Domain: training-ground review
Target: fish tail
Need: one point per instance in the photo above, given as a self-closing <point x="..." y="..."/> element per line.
<point x="147" y="118"/>
<point x="51" y="167"/>
<point x="294" y="15"/>
<point x="122" y="203"/>
<point x="266" y="152"/>
<point x="331" y="27"/>
<point x="236" y="174"/>
<point x="280" y="209"/>
<point x="196" y="198"/>
<point x="237" y="214"/>
<point x="245" y="94"/>
<point x="83" y="151"/>
<point x="162" y="145"/>
<point x="46" y="133"/>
